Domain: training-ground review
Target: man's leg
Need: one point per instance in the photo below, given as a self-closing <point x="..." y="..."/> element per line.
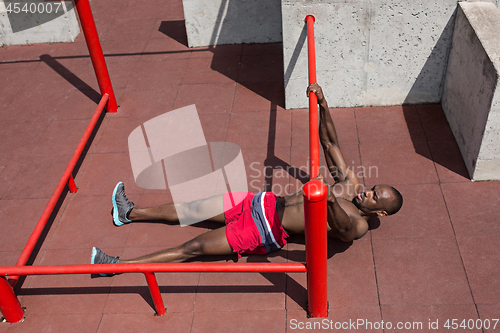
<point x="213" y="242"/>
<point x="209" y="209"/>
<point x="196" y="210"/>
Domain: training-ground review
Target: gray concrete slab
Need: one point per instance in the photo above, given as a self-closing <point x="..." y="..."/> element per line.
<point x="471" y="99"/>
<point x="371" y="52"/>
<point x="232" y="21"/>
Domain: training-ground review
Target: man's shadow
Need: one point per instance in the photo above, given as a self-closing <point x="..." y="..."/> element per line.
<point x="297" y="291"/>
<point x="274" y="162"/>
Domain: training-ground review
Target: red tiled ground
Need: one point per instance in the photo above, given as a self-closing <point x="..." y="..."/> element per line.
<point x="437" y="259"/>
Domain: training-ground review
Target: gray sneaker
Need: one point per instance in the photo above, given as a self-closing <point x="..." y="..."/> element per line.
<point x="121" y="205"/>
<point x="99" y="257"/>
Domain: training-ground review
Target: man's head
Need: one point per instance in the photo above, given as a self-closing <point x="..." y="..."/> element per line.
<point x="380" y="200"/>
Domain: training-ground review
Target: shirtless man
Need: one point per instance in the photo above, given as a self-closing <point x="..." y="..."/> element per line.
<point x="260" y="222"/>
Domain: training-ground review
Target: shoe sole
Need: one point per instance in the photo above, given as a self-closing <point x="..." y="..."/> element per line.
<point x="116" y="219"/>
<point x="92" y="258"/>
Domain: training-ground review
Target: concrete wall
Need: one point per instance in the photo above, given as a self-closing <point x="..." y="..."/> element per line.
<point x="219" y="22"/>
<point x="471" y="100"/>
<point x="369" y="52"/>
<point x="36" y="25"/>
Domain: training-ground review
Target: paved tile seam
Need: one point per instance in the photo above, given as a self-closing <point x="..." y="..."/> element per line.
<point x="375" y="272"/>
<point x="459" y="250"/>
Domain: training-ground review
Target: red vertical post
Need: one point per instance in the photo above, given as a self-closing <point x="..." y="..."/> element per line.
<point x="95" y="50"/>
<point x="155" y="293"/>
<point x="315" y="194"/>
<point x="9" y="304"/>
<point x="313" y="101"/>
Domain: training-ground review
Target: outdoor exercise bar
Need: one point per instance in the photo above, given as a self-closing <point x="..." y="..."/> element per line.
<point x="313" y="101"/>
<point x="12" y="311"/>
<point x="95" y="50"/>
<point x="66" y="179"/>
<point x="108" y="99"/>
<point x="315" y="193"/>
<point x="9" y="305"/>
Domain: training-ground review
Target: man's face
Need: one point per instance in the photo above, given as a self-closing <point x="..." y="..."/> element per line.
<point x="374" y="200"/>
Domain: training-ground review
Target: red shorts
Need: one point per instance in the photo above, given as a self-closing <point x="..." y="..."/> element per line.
<point x="252" y="223"/>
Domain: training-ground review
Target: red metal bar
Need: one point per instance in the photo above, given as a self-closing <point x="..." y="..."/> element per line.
<point x="11" y="309"/>
<point x="9" y="304"/>
<point x="155" y="267"/>
<point x="313" y="101"/>
<point x="315" y="194"/>
<point x="35" y="235"/>
<point x="155" y="293"/>
<point x="95" y="50"/>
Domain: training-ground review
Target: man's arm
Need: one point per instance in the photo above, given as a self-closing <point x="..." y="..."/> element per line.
<point x="329" y="141"/>
<point x="340" y="219"/>
<point x="343" y="226"/>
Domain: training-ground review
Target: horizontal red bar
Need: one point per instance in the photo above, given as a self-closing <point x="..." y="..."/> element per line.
<point x="153" y="268"/>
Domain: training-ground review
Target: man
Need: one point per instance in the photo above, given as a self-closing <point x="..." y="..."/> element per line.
<point x="260" y="222"/>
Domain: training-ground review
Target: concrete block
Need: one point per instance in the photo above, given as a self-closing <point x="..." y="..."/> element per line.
<point x="34" y="23"/>
<point x="341" y="40"/>
<point x="471" y="100"/>
<point x="232" y="21"/>
<point x="391" y="52"/>
<point x="409" y="43"/>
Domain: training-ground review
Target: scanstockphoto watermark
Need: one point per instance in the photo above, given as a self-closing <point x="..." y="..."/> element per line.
<point x="259" y="172"/>
<point x="358" y="324"/>
<point x="449" y="324"/>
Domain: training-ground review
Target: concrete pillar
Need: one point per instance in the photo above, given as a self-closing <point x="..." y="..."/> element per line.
<point x="471" y="96"/>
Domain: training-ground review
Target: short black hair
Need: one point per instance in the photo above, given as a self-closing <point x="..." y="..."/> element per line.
<point x="396" y="204"/>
